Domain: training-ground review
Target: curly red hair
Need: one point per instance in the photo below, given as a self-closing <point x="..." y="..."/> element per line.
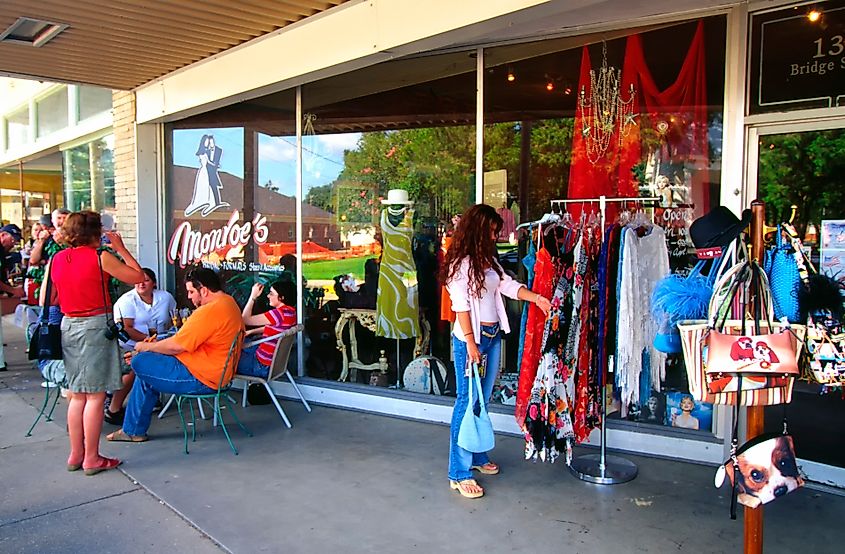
<point x="474" y="238"/>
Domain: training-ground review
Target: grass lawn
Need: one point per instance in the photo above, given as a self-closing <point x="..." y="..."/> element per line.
<point x="328" y="269"/>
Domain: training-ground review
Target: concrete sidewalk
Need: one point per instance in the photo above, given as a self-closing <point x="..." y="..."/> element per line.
<point x="352" y="482"/>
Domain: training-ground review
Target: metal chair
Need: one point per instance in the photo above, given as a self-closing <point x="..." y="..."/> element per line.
<point x="214" y="398"/>
<point x="278" y="369"/>
<point x="51" y="386"/>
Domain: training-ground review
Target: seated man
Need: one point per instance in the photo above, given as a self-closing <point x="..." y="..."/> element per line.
<point x="189" y="362"/>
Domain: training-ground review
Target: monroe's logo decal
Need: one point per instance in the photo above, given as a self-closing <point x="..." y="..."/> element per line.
<point x="207" y="185"/>
<point x="188" y="246"/>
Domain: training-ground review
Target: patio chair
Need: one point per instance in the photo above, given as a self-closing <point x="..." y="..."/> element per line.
<point x="214" y="399"/>
<point x="278" y="369"/>
<point x="53" y="384"/>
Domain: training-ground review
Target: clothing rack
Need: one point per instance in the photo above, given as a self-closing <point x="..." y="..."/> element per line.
<point x="604" y="469"/>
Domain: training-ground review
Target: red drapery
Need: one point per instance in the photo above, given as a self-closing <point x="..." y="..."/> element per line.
<point x="673" y="120"/>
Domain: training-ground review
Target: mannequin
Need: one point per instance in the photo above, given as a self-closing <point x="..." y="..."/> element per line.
<point x="397" y="303"/>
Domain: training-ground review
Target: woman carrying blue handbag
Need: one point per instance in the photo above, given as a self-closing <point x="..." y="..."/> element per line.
<point x="476" y="283"/>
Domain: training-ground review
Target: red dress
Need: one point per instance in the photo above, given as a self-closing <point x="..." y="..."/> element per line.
<point x="544" y="282"/>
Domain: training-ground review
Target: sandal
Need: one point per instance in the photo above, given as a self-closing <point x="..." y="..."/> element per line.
<point x="74" y="467"/>
<point x="105" y="465"/>
<point x="487" y="469"/>
<point x="121" y="436"/>
<point x="463" y="488"/>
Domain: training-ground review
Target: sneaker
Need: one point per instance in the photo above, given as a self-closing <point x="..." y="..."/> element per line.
<point x="114" y="418"/>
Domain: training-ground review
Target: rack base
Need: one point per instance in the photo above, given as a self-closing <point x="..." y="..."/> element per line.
<point x="616" y="469"/>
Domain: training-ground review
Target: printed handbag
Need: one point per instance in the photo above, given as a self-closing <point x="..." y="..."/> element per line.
<point x="761" y="470"/>
<point x="476" y="431"/>
<point x="826" y="356"/>
<point x="784" y="278"/>
<point x="777" y="390"/>
<point x="718" y="378"/>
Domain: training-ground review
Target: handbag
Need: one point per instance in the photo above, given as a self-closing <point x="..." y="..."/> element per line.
<point x="761" y="470"/>
<point x="726" y="363"/>
<point x="45" y="341"/>
<point x="476" y="431"/>
<point x="784" y="277"/>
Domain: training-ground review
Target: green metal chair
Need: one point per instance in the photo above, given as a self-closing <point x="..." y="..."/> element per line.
<point x="51" y="387"/>
<point x="214" y="399"/>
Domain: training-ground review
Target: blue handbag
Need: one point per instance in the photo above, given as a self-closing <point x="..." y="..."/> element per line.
<point x="784" y="279"/>
<point x="476" y="431"/>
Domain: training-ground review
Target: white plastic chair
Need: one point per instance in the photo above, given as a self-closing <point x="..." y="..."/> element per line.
<point x="278" y="368"/>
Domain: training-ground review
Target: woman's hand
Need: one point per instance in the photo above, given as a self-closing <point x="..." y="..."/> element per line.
<point x="473" y="355"/>
<point x="43" y="234"/>
<point x="116" y="240"/>
<point x="256" y="291"/>
<point x="544" y="304"/>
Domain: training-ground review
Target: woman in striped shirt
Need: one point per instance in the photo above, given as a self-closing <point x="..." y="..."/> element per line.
<point x="255" y="360"/>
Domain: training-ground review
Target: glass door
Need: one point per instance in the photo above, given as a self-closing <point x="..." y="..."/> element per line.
<point x="798" y="170"/>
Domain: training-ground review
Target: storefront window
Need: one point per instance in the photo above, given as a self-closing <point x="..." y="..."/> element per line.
<point x="652" y="129"/>
<point x="17" y="128"/>
<point x="93" y="101"/>
<point x="89" y="175"/>
<point x="384" y="173"/>
<point x="52" y="112"/>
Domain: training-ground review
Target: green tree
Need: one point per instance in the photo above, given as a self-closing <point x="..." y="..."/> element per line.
<point x="803" y="169"/>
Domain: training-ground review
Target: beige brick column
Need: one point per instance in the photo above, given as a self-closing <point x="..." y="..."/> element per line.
<point x="125" y="182"/>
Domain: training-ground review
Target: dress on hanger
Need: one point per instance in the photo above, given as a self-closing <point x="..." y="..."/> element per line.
<point x="397" y="303"/>
<point x="528" y="261"/>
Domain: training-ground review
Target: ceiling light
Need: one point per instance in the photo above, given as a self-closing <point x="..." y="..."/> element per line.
<point x="511" y="76"/>
<point x="550" y="86"/>
<point x="33" y="32"/>
<point x="814" y="15"/>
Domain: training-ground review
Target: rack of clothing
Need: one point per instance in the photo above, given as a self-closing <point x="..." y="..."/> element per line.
<point x="561" y="396"/>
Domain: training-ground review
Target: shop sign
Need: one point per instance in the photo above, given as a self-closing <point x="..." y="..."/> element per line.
<point x="798" y="62"/>
<point x="188" y="246"/>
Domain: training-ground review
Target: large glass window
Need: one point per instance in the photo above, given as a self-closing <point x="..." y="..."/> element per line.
<point x="89" y="175"/>
<point x="554" y="131"/>
<point x="93" y="101"/>
<point x="17" y="128"/>
<point x="386" y="166"/>
<point x="52" y="112"/>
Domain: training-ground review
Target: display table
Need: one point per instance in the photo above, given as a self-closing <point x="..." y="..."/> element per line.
<point x="367" y="318"/>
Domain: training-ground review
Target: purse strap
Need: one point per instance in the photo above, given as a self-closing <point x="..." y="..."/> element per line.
<point x="474" y="380"/>
<point x="106" y="304"/>
<point x="45" y="309"/>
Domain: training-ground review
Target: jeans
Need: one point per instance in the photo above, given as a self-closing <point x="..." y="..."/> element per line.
<point x="154" y="374"/>
<point x="460" y="460"/>
<point x="248" y="363"/>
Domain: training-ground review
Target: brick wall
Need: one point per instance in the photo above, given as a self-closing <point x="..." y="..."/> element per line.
<point x="125" y="185"/>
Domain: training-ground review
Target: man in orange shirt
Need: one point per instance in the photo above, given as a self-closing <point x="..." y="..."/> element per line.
<point x="189" y="362"/>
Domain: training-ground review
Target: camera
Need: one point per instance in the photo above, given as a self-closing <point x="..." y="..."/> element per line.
<point x="116" y="331"/>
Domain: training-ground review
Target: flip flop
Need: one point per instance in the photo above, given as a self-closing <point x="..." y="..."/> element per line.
<point x="120" y="436"/>
<point x="487" y="469"/>
<point x="105" y="465"/>
<point x="460" y="486"/>
<point x="74" y="467"/>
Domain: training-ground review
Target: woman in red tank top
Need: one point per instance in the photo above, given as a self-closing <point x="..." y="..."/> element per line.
<point x="81" y="274"/>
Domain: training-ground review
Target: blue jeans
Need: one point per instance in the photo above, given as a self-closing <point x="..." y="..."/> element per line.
<point x="248" y="363"/>
<point x="154" y="374"/>
<point x="460" y="460"/>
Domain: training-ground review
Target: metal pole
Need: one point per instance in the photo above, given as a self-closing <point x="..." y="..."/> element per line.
<point x="603" y="469"/>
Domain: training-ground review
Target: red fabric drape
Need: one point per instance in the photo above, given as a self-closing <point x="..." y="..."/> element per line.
<point x="682" y="108"/>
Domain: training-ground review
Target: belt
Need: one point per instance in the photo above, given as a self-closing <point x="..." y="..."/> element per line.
<point x="490" y="335"/>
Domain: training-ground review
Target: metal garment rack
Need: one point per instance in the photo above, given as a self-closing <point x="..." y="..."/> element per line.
<point x="601" y="468"/>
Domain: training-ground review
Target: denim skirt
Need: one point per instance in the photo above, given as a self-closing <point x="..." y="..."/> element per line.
<point x="92" y="362"/>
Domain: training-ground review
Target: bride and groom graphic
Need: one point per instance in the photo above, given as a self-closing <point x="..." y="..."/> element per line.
<point x="207" y="185"/>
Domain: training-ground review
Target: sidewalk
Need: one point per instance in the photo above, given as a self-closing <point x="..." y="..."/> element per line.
<point x="352" y="482"/>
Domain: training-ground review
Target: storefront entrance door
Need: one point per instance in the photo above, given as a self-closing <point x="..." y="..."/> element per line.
<point x="803" y="165"/>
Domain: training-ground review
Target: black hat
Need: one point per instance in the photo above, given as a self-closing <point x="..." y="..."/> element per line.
<point x="13" y="230"/>
<point x="719" y="227"/>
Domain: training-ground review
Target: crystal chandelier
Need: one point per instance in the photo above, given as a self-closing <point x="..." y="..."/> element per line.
<point x="604" y="111"/>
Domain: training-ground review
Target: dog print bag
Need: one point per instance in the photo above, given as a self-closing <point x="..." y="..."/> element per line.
<point x="761" y="470"/>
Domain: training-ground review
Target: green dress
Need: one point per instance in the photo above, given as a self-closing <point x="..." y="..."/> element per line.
<point x="397" y="304"/>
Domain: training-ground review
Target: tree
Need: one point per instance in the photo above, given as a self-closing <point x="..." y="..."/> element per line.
<point x="270" y="186"/>
<point x="803" y="169"/>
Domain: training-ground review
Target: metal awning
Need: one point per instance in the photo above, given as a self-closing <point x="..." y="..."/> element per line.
<point x="126" y="43"/>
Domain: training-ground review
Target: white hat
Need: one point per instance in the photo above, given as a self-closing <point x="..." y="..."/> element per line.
<point x="397" y="196"/>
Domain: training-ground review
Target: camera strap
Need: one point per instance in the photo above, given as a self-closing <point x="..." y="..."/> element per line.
<point x="103" y="286"/>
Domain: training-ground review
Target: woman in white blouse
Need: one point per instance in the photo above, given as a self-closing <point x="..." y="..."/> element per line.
<point x="476" y="283"/>
<point x="145" y="312"/>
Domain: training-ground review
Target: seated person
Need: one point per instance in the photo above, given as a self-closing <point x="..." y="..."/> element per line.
<point x="255" y="360"/>
<point x="145" y="312"/>
<point x="190" y="361"/>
